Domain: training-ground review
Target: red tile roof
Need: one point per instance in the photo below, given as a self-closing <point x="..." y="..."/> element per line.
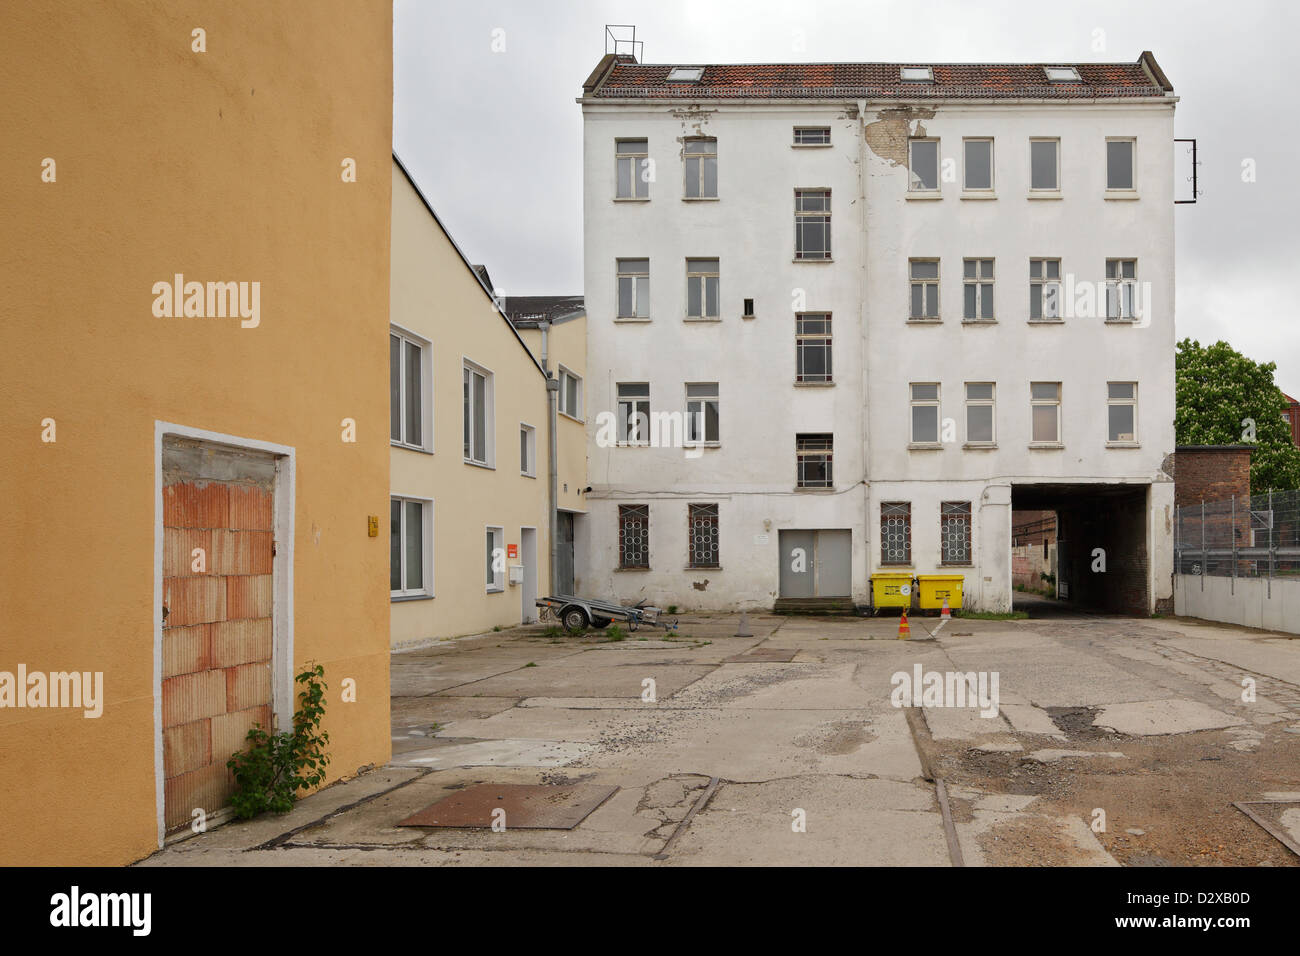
<point x="630" y="80"/>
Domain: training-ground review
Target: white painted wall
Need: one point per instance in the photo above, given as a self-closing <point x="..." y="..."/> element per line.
<point x="1245" y="601"/>
<point x="875" y="229"/>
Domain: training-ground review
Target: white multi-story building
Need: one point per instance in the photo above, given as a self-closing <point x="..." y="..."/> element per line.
<point x="845" y="318"/>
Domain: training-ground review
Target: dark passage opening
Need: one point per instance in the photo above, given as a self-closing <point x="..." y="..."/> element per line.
<point x="1100" y="541"/>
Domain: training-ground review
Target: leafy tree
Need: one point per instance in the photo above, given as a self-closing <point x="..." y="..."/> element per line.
<point x="1226" y="399"/>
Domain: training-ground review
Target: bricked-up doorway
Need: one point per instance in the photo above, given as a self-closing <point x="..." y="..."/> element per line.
<point x="222" y="639"/>
<point x="1110" y="517"/>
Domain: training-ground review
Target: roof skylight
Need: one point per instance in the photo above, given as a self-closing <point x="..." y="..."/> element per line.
<point x="916" y="74"/>
<point x="685" y="74"/>
<point x="1062" y="74"/>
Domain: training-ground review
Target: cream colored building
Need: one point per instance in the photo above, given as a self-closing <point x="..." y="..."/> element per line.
<point x="470" y="535"/>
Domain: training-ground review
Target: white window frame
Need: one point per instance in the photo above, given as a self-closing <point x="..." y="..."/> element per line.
<point x="566" y="376"/>
<point x="623" y="271"/>
<point x="1045" y="190"/>
<point x="426" y="530"/>
<point x="472" y="368"/>
<point x="965" y="183"/>
<point x="1133" y="403"/>
<point x="925" y="283"/>
<point x="1133" y="164"/>
<point x="498" y="533"/>
<point x="638" y="161"/>
<point x="635" y="403"/>
<point x="801" y="215"/>
<point x="980" y="282"/>
<point x="528" y="468"/>
<point x="1037" y="402"/>
<point x="699" y="272"/>
<point x="912" y="178"/>
<point x="405" y="339"/>
<point x="804" y="340"/>
<point x="701" y="156"/>
<point x="697" y="404"/>
<point x="1044" y="283"/>
<point x="914" y="403"/>
<point x="820" y="445"/>
<point x="816" y="136"/>
<point x="1122" y="290"/>
<point x="992" y="404"/>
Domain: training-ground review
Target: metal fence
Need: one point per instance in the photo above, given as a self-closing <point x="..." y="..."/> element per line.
<point x="1255" y="537"/>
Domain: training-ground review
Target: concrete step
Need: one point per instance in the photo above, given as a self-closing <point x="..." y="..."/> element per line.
<point x="842" y="605"/>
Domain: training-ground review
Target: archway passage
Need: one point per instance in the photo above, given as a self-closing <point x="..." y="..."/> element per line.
<point x="1102" y="560"/>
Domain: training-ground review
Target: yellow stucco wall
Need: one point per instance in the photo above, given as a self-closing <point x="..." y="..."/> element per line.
<point x="567" y="346"/>
<point x="223" y="166"/>
<point x="437" y="298"/>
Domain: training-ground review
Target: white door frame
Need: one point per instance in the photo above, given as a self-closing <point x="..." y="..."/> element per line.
<point x="528" y="611"/>
<point x="282" y="586"/>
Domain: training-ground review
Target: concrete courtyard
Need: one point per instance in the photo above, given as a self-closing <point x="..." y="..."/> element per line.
<point x="1116" y="741"/>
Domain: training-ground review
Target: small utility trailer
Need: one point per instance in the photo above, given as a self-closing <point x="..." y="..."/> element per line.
<point x="577" y="613"/>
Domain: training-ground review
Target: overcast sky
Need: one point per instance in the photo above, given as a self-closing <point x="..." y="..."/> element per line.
<point x="494" y="138"/>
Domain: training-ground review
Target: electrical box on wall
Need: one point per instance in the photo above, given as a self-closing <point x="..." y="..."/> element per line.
<point x="516" y="574"/>
<point x="372" y="524"/>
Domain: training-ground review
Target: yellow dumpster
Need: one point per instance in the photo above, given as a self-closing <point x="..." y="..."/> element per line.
<point x="935" y="587"/>
<point x="891" y="589"/>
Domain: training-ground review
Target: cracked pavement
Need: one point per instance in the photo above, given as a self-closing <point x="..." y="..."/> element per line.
<point x="1118" y="741"/>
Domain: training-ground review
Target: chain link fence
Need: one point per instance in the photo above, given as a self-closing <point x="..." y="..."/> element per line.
<point x="1255" y="537"/>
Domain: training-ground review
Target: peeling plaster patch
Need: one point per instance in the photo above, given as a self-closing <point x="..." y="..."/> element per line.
<point x="693" y="122"/>
<point x="700" y="585"/>
<point x="887" y="137"/>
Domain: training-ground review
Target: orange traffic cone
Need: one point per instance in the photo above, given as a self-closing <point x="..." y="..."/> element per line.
<point x="904" y="629"/>
<point x="945" y="614"/>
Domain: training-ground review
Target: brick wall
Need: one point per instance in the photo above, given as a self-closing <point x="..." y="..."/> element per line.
<point x="1210" y="473"/>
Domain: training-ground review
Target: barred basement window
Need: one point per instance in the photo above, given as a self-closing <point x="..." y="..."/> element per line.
<point x="703" y="528"/>
<point x="1044" y="289"/>
<point x="812" y="223"/>
<point x="812" y="334"/>
<point x="895" y="532"/>
<point x="977" y="279"/>
<point x="814" y="454"/>
<point x="954" y="532"/>
<point x="634" y="536"/>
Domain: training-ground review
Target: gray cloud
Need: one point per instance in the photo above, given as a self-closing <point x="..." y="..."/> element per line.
<point x="495" y="138"/>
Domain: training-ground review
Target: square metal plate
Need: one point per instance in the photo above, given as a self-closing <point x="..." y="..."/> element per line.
<point x="536" y="806"/>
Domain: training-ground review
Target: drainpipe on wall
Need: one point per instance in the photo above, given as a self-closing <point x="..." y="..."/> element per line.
<point x="552" y="395"/>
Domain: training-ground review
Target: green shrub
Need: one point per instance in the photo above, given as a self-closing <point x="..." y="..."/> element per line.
<point x="274" y="767"/>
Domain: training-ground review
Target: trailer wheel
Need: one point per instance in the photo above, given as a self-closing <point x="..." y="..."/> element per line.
<point x="600" y="623"/>
<point x="574" y="618"/>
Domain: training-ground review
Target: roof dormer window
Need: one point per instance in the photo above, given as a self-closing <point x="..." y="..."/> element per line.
<point x="1062" y="74"/>
<point x="685" y="74"/>
<point x="916" y="74"/>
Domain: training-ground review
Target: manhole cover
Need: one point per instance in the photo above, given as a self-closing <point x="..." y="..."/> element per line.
<point x="527" y="806"/>
<point x="763" y="655"/>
